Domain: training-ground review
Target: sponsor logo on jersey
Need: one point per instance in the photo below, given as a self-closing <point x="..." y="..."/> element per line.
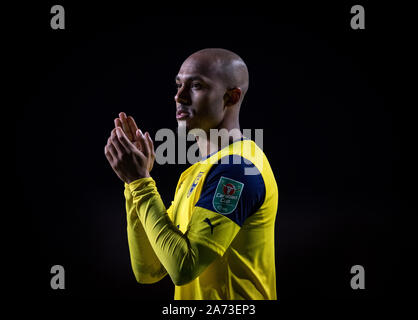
<point x="227" y="195"/>
<point x="212" y="226"/>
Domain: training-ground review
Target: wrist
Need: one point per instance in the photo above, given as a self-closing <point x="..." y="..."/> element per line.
<point x="132" y="180"/>
<point x="141" y="184"/>
<point x="142" y="176"/>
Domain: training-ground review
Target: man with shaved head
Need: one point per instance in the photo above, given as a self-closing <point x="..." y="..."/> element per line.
<point x="216" y="240"/>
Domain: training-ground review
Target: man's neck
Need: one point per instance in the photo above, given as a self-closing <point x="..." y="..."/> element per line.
<point x="208" y="146"/>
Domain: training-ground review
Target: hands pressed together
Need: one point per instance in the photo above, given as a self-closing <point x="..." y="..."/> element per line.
<point x="130" y="152"/>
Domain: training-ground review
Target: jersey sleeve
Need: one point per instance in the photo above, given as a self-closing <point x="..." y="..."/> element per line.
<point x="229" y="191"/>
<point x="146" y="266"/>
<point x="228" y="197"/>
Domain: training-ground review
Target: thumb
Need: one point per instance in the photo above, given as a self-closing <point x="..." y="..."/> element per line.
<point x="140" y="140"/>
<point x="137" y="140"/>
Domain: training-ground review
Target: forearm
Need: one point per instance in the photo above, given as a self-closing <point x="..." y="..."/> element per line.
<point x="181" y="257"/>
<point x="145" y="264"/>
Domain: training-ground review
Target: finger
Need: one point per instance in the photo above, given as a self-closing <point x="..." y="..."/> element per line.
<point x="151" y="143"/>
<point x="147" y="145"/>
<point x="108" y="154"/>
<point x="118" y="123"/>
<point x="111" y="149"/>
<point x="141" y="140"/>
<point x="132" y="125"/>
<point x="138" y="141"/>
<point x="151" y="146"/>
<point x="125" y="126"/>
<point x="120" y="149"/>
<point x="123" y="139"/>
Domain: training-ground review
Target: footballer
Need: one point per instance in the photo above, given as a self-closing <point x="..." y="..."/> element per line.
<point x="216" y="239"/>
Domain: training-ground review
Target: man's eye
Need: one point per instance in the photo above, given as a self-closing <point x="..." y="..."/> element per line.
<point x="196" y="85"/>
<point x="178" y="85"/>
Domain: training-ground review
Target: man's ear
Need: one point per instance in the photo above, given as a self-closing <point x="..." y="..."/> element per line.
<point x="232" y="96"/>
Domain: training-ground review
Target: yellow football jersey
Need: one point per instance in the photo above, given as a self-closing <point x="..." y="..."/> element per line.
<point x="225" y="204"/>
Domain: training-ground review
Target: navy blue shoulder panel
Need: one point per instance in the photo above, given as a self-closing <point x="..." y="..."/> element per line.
<point x="243" y="171"/>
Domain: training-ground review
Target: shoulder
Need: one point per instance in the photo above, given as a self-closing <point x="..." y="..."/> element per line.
<point x="233" y="187"/>
<point x="238" y="168"/>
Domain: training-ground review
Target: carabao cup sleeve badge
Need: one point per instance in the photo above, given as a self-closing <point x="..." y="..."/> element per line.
<point x="227" y="194"/>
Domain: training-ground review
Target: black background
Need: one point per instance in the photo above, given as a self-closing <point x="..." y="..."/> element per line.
<point x="317" y="88"/>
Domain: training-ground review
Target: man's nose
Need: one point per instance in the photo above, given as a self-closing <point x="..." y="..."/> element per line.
<point x="182" y="96"/>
